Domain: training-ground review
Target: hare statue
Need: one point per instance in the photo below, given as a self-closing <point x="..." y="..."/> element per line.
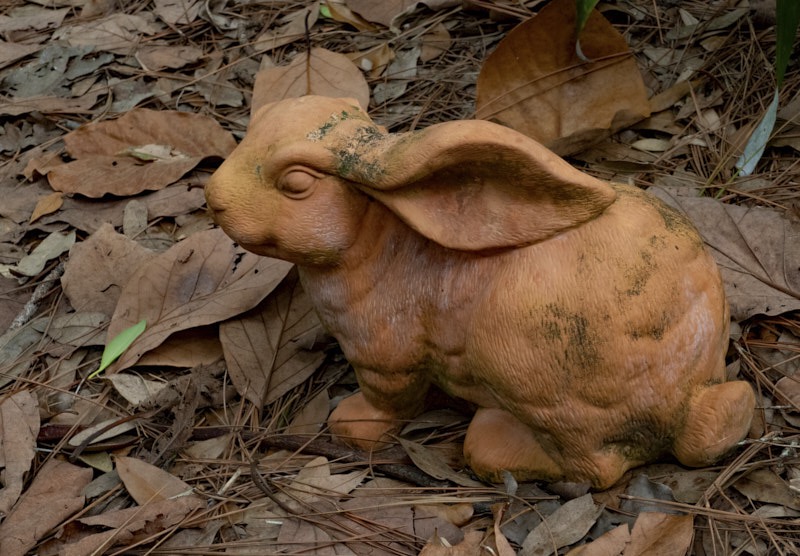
<point x="583" y="320"/>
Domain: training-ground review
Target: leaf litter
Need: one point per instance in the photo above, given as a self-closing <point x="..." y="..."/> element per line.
<point x="200" y="435"/>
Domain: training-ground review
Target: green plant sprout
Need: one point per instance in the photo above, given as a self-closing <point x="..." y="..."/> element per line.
<point x="788" y="16"/>
<point x="118" y="345"/>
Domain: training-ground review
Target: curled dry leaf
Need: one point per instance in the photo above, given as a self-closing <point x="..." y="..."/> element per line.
<point x="610" y="543"/>
<point x="290" y="28"/>
<point x="757" y="250"/>
<point x="47" y="205"/>
<point x="535" y="82"/>
<point x="54" y="495"/>
<point x="202" y="280"/>
<point x="264" y="357"/>
<point x="111" y="157"/>
<point x="317" y="72"/>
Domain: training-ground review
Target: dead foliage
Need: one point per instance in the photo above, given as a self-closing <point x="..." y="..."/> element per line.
<point x="207" y="436"/>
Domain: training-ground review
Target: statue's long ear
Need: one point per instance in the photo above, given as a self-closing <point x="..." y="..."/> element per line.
<point x="474" y="185"/>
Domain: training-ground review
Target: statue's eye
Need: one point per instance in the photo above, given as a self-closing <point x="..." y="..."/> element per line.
<point x="297" y="184"/>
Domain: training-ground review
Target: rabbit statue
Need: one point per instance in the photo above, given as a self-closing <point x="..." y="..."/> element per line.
<point x="583" y="320"/>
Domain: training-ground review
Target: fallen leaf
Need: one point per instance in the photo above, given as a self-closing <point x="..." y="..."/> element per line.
<point x="291" y="27"/>
<point x="54" y="495"/>
<point x="31" y="18"/>
<point x="434" y="465"/>
<point x="611" y="543"/>
<point x="374" y="60"/>
<point x="131" y="524"/>
<point x="318" y="72"/>
<point x="19" y="426"/>
<point x="388" y="12"/>
<point x="81" y="328"/>
<point x="95" y="429"/>
<point x="536" y="70"/>
<point x="47" y="205"/>
<point x="757" y="250"/>
<point x="117" y="32"/>
<point x="567" y="525"/>
<point x="203" y="279"/>
<point x="147" y="483"/>
<point x="689" y="486"/>
<point x="187" y="348"/>
<point x="435" y="42"/>
<point x="90" y="215"/>
<point x="177" y="12"/>
<point x="10" y="52"/>
<point x="311" y="418"/>
<point x="340" y="12"/>
<point x="103" y="163"/>
<point x="765" y="485"/>
<point x="264" y="357"/>
<point x="470" y="546"/>
<point x="99" y="267"/>
<point x="51" y="247"/>
<point x="400" y="72"/>
<point x="662" y="534"/>
<point x="134" y="388"/>
<point x="157" y="58"/>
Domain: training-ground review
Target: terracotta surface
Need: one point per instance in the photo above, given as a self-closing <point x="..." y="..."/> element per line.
<point x="584" y="320"/>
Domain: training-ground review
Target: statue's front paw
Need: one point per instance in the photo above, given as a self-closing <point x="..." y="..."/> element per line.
<point x="358" y="423"/>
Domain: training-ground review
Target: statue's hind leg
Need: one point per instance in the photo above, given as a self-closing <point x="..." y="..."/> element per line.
<point x="719" y="416"/>
<point x="498" y="441"/>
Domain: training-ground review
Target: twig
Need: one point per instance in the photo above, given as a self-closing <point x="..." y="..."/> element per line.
<point x="41" y="291"/>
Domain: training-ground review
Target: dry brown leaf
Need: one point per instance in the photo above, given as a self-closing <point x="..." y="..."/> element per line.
<point x="340" y="12"/>
<point x="757" y="250"/>
<point x="131" y="524"/>
<point x="202" y="280"/>
<point x="186" y="349"/>
<point x="147" y="483"/>
<point x="116" y="157"/>
<point x="470" y="546"/>
<point x="177" y="12"/>
<point x="612" y="543"/>
<point x="47" y="205"/>
<point x="49" y="105"/>
<point x="89" y="215"/>
<point x="19" y="426"/>
<point x="292" y="27"/>
<point x="765" y="485"/>
<point x="310" y="419"/>
<point x="535" y="82"/>
<point x="10" y="52"/>
<point x="319" y="72"/>
<point x="99" y="267"/>
<point x="117" y="32"/>
<point x="54" y="495"/>
<point x="157" y="58"/>
<point x="263" y="349"/>
<point x="567" y="525"/>
<point x="373" y="60"/>
<point x="387" y="11"/>
<point x="501" y="542"/>
<point x="435" y="43"/>
<point x="662" y="534"/>
<point x="434" y="464"/>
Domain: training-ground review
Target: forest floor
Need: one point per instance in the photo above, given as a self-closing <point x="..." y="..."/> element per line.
<point x="207" y="435"/>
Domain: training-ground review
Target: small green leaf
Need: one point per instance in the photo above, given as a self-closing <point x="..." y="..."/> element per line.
<point x="325" y="11"/>
<point x="584" y="8"/>
<point x="788" y="16"/>
<point x="118" y="345"/>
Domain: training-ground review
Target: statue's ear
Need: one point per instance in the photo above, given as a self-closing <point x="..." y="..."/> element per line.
<point x="474" y="185"/>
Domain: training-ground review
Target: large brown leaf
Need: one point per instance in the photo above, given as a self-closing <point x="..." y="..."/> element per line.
<point x="202" y="280"/>
<point x="318" y="72"/>
<point x="54" y="495"/>
<point x="535" y="82"/>
<point x="263" y="350"/>
<point x="19" y="425"/>
<point x="757" y="250"/>
<point x="142" y="150"/>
